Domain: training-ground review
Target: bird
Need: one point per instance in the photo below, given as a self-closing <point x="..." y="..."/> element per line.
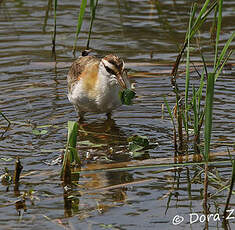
<point x="94" y="84"/>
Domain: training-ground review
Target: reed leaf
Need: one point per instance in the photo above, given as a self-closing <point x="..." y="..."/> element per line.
<point x="79" y="22"/>
<point x="223" y="52"/>
<point x="218" y="29"/>
<point x="202" y="11"/>
<point x="199" y="91"/>
<point x="169" y="111"/>
<point x="208" y="114"/>
<point x="93" y="10"/>
<point x="222" y="65"/>
<point x="71" y="154"/>
<point x="202" y="18"/>
<point x="195" y="112"/>
<point x="192" y="14"/>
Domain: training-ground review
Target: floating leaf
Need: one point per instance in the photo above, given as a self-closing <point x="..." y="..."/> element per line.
<point x="140" y="155"/>
<point x="126" y="96"/>
<point x="133" y="147"/>
<point x="138" y="143"/>
<point x="44" y="132"/>
<point x="6" y="159"/>
<point x="43" y="126"/>
<point x="89" y="143"/>
<point x="39" y="132"/>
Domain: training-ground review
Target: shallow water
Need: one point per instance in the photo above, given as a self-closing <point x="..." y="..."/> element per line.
<point x="146" y="34"/>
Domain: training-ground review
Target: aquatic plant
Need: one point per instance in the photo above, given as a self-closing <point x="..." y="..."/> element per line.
<point x="198" y="115"/>
<point x="93" y="5"/>
<point x="193" y="114"/>
<point x="54" y="32"/>
<point x="71" y="157"/>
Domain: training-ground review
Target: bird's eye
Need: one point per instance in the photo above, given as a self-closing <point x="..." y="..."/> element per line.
<point x="109" y="70"/>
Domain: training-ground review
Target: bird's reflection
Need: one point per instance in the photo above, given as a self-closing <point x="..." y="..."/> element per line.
<point x="103" y="138"/>
<point x="98" y="185"/>
<point x="100" y="131"/>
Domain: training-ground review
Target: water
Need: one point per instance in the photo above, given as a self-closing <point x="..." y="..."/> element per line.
<point x="146" y="34"/>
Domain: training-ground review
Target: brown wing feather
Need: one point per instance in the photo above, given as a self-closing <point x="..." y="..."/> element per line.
<point x="77" y="68"/>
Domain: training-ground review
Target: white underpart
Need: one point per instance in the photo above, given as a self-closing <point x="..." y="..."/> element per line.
<point x="105" y="96"/>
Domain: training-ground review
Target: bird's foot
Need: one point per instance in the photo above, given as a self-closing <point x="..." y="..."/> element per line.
<point x="109" y="116"/>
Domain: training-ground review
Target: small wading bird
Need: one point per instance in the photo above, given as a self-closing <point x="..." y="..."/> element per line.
<point x="94" y="84"/>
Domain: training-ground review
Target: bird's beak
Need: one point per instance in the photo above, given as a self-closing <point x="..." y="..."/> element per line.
<point x="121" y="81"/>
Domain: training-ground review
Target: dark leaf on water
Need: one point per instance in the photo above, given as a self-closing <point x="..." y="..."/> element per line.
<point x="126" y="96"/>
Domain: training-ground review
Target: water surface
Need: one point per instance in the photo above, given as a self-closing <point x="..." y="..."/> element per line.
<point x="147" y="35"/>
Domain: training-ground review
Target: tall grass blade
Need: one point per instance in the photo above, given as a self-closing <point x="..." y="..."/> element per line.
<point x="54" y="33"/>
<point x="79" y="23"/>
<point x="208" y="114"/>
<point x="222" y="65"/>
<point x="192" y="13"/>
<point x="199" y="91"/>
<point x="169" y="111"/>
<point x="199" y="21"/>
<point x="224" y="51"/>
<point x="71" y="154"/>
<point x="49" y="6"/>
<point x="218" y="29"/>
<point x="195" y="112"/>
<point x="202" y="18"/>
<point x="93" y="10"/>
<point x="173" y="123"/>
<point x="202" y="11"/>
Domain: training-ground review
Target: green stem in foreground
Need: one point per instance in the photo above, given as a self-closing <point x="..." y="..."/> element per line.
<point x="71" y="155"/>
<point x="208" y="114"/>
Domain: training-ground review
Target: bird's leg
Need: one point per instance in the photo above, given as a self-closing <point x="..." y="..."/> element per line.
<point x="80" y="113"/>
<point x="109" y="116"/>
<point x="81" y="116"/>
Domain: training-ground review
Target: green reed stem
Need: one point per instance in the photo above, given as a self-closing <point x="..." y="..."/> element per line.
<point x="173" y="123"/>
<point x="71" y="154"/>
<point x="208" y="114"/>
<point x="218" y="29"/>
<point x="49" y="6"/>
<point x="79" y="23"/>
<point x="192" y="14"/>
<point x="54" y="33"/>
<point x="93" y="10"/>
<point x="201" y="18"/>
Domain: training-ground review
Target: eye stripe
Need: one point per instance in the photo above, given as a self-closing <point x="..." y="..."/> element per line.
<point x="109" y="70"/>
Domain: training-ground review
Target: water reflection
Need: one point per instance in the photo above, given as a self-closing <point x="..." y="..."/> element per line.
<point x="102" y="138"/>
<point x="146" y="34"/>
